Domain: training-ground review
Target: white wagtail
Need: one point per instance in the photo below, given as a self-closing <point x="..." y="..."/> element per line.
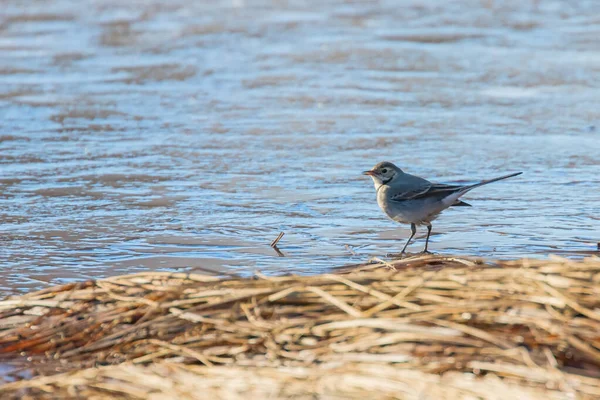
<point x="408" y="199"/>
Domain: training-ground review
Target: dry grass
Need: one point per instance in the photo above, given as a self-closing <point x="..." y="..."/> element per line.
<point x="425" y="327"/>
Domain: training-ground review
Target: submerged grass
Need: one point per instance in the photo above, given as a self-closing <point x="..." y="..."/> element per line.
<point x="421" y="327"/>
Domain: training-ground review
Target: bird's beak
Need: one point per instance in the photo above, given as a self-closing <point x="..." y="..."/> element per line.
<point x="370" y="173"/>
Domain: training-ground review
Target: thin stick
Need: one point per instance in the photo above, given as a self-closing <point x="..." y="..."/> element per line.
<point x="277" y="239"/>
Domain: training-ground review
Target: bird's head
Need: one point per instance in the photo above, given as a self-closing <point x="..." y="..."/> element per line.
<point x="383" y="173"/>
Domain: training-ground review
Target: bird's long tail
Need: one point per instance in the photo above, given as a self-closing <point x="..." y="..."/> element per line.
<point x="485" y="182"/>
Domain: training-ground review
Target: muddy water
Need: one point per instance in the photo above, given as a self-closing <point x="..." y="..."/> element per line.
<point x="183" y="135"/>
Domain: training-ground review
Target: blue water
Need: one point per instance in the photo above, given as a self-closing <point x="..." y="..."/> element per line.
<point x="185" y="136"/>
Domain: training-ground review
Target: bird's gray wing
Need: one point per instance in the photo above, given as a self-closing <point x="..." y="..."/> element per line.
<point x="427" y="190"/>
<point x="440" y="190"/>
<point x="407" y="187"/>
<point x="409" y="192"/>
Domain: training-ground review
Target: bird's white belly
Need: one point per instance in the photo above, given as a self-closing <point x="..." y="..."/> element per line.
<point x="419" y="212"/>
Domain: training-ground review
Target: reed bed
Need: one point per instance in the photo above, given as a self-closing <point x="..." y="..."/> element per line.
<point x="421" y="327"/>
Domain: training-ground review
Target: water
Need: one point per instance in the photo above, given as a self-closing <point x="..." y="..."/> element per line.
<point x="182" y="135"/>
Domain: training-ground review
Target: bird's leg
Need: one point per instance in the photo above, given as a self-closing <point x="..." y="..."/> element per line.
<point x="427" y="240"/>
<point x="413" y="229"/>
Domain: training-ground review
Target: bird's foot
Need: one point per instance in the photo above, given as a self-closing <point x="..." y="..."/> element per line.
<point x="426" y="252"/>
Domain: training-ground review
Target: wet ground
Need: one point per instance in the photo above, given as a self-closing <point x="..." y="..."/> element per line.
<point x="186" y="135"/>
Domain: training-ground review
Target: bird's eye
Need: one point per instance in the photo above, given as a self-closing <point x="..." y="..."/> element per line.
<point x="383" y="171"/>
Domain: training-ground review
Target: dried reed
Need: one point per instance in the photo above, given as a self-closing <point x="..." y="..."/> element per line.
<point x="417" y="327"/>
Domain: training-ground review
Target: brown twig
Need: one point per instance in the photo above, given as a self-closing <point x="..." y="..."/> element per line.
<point x="277" y="239"/>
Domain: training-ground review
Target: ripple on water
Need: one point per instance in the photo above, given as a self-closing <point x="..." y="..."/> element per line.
<point x="185" y="137"/>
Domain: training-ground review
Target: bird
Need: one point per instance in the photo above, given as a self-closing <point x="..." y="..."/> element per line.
<point x="410" y="199"/>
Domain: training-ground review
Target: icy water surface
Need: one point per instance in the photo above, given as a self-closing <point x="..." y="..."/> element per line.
<point x="185" y="135"/>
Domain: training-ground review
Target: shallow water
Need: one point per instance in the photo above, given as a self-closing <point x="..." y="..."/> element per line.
<point x="186" y="135"/>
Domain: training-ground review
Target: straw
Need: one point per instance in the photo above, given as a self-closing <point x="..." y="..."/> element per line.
<point x="527" y="327"/>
